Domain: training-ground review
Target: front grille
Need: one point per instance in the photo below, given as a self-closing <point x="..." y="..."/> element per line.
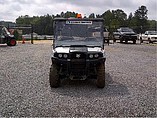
<point x="154" y="37"/>
<point x="77" y="55"/>
<point x="130" y="37"/>
<point x="77" y="66"/>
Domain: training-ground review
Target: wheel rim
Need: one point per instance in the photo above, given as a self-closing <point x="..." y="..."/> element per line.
<point x="12" y="42"/>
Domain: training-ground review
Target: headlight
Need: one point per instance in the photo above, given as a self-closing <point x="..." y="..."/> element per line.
<point x="65" y="55"/>
<point x="60" y="55"/>
<point x="96" y="55"/>
<point x="91" y="56"/>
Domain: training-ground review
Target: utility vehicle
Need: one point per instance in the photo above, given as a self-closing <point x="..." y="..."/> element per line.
<point x="6" y="37"/>
<point x="78" y="51"/>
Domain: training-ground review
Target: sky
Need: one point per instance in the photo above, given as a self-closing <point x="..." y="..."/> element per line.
<point x="12" y="9"/>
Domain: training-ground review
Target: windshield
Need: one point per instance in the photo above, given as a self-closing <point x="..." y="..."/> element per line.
<point x="126" y="30"/>
<point x="5" y="32"/>
<point x="89" y="33"/>
<point x="152" y="32"/>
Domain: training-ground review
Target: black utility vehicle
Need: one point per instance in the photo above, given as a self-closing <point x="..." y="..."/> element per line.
<point x="78" y="51"/>
<point x="6" y="37"/>
<point x="125" y="34"/>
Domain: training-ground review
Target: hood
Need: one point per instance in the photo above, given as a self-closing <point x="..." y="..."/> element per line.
<point x="153" y="35"/>
<point x="128" y="33"/>
<point x="77" y="49"/>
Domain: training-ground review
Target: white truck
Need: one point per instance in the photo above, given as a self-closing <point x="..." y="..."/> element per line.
<point x="149" y="36"/>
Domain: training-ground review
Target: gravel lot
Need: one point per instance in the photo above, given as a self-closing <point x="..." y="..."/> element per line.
<point x="130" y="90"/>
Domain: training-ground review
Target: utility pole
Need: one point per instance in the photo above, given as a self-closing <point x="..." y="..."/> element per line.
<point x="31" y="33"/>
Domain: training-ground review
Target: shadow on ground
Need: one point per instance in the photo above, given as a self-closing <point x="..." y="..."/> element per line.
<point x="87" y="88"/>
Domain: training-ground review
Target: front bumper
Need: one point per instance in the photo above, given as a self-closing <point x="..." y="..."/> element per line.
<point x="129" y="37"/>
<point x="66" y="61"/>
<point x="77" y="67"/>
<point x="153" y="39"/>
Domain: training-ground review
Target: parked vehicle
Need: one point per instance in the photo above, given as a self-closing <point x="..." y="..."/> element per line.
<point x="6" y="37"/>
<point x="149" y="36"/>
<point x="106" y="35"/>
<point x="116" y="36"/>
<point x="125" y="34"/>
<point x="78" y="51"/>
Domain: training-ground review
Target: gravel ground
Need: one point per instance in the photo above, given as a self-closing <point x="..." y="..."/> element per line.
<point x="130" y="90"/>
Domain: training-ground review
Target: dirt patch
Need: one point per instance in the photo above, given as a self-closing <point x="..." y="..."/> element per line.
<point x="37" y="42"/>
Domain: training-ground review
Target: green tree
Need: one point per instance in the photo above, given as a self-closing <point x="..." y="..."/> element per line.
<point x="114" y="19"/>
<point x="16" y="35"/>
<point x="98" y="16"/>
<point x="119" y="17"/>
<point x="141" y="19"/>
<point x="92" y="15"/>
<point x="131" y="21"/>
<point x="107" y="16"/>
<point x="152" y="24"/>
<point x="69" y="14"/>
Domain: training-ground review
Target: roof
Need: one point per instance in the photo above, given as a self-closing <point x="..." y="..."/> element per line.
<point x="80" y="19"/>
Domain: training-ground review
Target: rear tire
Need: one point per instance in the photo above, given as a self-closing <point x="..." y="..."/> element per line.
<point x="54" y="77"/>
<point x="100" y="82"/>
<point x="12" y="42"/>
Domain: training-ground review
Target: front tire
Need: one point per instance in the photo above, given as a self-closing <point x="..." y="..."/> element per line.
<point x="141" y="41"/>
<point x="121" y="40"/>
<point x="149" y="41"/>
<point x="126" y="41"/>
<point x="134" y="41"/>
<point x="114" y="40"/>
<point x="54" y="77"/>
<point x="100" y="82"/>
